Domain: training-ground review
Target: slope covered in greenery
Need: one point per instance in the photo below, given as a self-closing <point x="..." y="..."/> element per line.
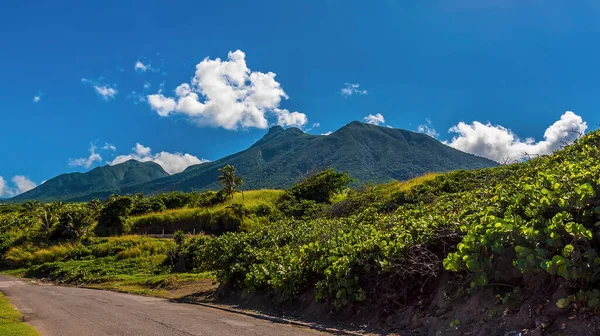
<point x="527" y="234"/>
<point x="368" y="153"/>
<point x="99" y="182"/>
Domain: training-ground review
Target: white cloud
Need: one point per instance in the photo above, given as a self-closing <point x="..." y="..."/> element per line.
<point x="106" y="91"/>
<point x="108" y="146"/>
<point x="350" y="89"/>
<point x="5" y="191"/>
<point x="428" y="129"/>
<point x="500" y="143"/>
<point x="171" y="162"/>
<point x="292" y="119"/>
<point x="315" y="125"/>
<point x="139" y="66"/>
<point x="37" y="98"/>
<point x="226" y="93"/>
<point x="86" y="162"/>
<point x="23" y="184"/>
<point x="327" y="133"/>
<point x="376" y="119"/>
<point x="147" y="85"/>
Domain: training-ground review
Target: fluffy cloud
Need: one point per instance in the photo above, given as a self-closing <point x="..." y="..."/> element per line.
<point x="21" y="185"/>
<point x="5" y="191"/>
<point x="350" y="89"/>
<point x="500" y="143"/>
<point x="171" y="162"/>
<point x="428" y="129"/>
<point x="327" y="133"/>
<point x="86" y="162"/>
<point x="106" y="91"/>
<point x="37" y="98"/>
<point x="292" y="119"/>
<point x="226" y="93"/>
<point x="376" y="119"/>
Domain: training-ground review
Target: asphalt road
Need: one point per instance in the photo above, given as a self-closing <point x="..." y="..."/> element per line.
<point x="67" y="311"/>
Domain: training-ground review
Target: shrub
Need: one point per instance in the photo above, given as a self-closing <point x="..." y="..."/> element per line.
<point x="114" y="215"/>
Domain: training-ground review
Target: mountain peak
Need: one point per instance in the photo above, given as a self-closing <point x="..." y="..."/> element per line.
<point x="275" y="130"/>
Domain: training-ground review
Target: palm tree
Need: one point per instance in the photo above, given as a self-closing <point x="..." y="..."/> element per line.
<point x="229" y="181"/>
<point x="48" y="220"/>
<point x="31" y="206"/>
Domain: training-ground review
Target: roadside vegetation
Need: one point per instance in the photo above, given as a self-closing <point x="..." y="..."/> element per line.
<point x="529" y="232"/>
<point x="11" y="321"/>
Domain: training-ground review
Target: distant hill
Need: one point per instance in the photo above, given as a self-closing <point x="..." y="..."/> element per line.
<point x="369" y="153"/>
<point x="98" y="182"/>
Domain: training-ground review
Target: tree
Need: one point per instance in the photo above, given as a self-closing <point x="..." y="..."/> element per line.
<point x="31" y="206"/>
<point x="229" y="181"/>
<point x="76" y="222"/>
<point x="48" y="220"/>
<point x="114" y="215"/>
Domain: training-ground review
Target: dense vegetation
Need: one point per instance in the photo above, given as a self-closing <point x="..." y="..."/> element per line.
<point x="368" y="153"/>
<point x="382" y="245"/>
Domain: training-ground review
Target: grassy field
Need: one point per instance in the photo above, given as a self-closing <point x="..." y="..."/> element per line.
<point x="213" y="219"/>
<point x="11" y="320"/>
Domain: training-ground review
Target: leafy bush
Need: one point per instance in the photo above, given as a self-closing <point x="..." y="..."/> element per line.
<point x="305" y="199"/>
<point x="114" y="215"/>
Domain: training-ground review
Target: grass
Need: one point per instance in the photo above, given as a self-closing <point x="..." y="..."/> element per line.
<point x="123" y="247"/>
<point x="11" y="323"/>
<point x="213" y="219"/>
<point x="154" y="285"/>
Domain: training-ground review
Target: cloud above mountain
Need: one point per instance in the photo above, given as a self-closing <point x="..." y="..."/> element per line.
<point x="500" y="144"/>
<point x="227" y="94"/>
<point x="171" y="162"/>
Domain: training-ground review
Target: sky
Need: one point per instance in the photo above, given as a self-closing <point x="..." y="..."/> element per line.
<point x="90" y="83"/>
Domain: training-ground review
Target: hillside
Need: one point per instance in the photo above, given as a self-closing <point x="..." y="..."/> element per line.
<point x="369" y="153"/>
<point x="98" y="182"/>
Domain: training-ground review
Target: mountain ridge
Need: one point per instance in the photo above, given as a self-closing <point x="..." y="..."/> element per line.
<point x="369" y="153"/>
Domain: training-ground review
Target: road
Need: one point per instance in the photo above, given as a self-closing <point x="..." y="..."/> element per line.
<point x="68" y="311"/>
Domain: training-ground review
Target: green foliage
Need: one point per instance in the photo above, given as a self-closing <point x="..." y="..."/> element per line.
<point x="320" y="187"/>
<point x="75" y="222"/>
<point x="229" y="181"/>
<point x="177" y="199"/>
<point x="545" y="214"/>
<point x="114" y="215"/>
<point x="305" y="199"/>
<point x="11" y="320"/>
<point x="142" y="206"/>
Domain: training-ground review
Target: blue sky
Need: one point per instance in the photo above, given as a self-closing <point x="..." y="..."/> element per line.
<point x="419" y="65"/>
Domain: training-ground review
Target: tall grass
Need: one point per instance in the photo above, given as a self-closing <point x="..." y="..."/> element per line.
<point x="121" y="247"/>
<point x="215" y="219"/>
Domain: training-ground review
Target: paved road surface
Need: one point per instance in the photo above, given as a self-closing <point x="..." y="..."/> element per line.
<point x="66" y="311"/>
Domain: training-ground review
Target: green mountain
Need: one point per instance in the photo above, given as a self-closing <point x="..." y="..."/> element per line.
<point x="369" y="153"/>
<point x="98" y="182"/>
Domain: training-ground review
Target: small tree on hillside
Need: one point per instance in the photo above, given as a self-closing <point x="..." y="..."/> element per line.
<point x="229" y="180"/>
